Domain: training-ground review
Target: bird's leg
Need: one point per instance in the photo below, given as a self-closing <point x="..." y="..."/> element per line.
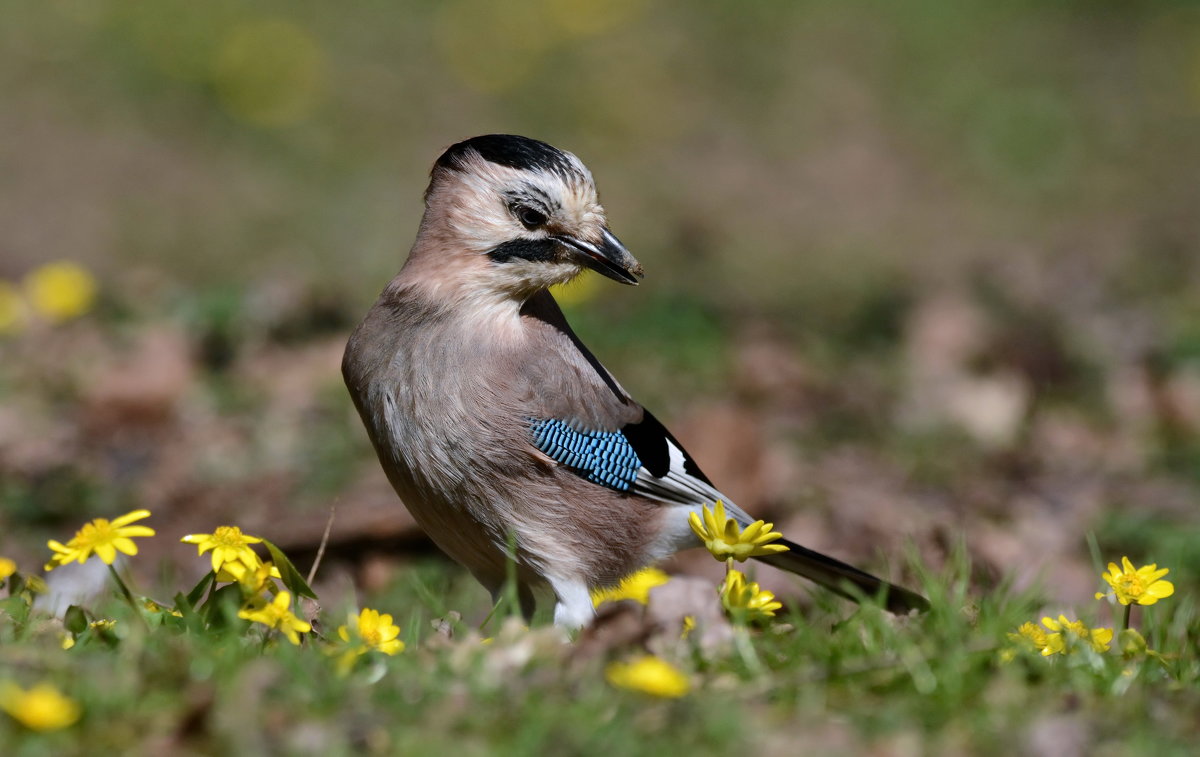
<point x="574" y="609"/>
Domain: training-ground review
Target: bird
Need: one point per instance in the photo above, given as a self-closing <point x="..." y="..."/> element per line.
<point x="513" y="447"/>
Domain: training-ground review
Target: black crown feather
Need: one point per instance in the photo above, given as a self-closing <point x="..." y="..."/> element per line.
<point x="510" y="150"/>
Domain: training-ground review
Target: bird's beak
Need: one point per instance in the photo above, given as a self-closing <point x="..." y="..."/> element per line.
<point x="609" y="258"/>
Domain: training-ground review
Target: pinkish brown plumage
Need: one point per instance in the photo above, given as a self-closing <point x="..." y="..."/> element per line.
<point x="495" y="424"/>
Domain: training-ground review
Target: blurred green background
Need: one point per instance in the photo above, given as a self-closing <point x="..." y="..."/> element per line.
<point x="754" y="153"/>
<point x="917" y="272"/>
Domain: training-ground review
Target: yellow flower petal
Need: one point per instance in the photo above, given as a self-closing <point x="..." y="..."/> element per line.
<point x="125" y="544"/>
<point x="1101" y="638"/>
<point x="60" y="291"/>
<point x="689" y="625"/>
<point x="136" y="531"/>
<point x="635" y="587"/>
<point x="42" y="708"/>
<point x="277" y="615"/>
<point x="1150" y="575"/>
<point x="745" y="601"/>
<point x="711" y="524"/>
<point x="14" y="313"/>
<point x="649" y="675"/>
<point x="751" y="532"/>
<point x="130" y="517"/>
<point x="1160" y="589"/>
<point x="106" y="552"/>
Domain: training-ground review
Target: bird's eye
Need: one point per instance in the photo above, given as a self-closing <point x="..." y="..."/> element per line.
<point x="531" y="218"/>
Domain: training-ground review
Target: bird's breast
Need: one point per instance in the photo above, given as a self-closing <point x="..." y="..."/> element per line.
<point x="440" y="411"/>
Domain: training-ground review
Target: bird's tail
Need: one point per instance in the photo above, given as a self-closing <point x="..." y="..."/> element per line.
<point x="838" y="577"/>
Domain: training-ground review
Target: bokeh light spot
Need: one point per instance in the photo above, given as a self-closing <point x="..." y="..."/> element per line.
<point x="587" y="17"/>
<point x="14" y="316"/>
<point x="493" y="47"/>
<point x="270" y="72"/>
<point x="581" y="289"/>
<point x="60" y="291"/>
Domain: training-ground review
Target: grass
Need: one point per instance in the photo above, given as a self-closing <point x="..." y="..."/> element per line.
<point x="829" y="676"/>
<point x="841" y="678"/>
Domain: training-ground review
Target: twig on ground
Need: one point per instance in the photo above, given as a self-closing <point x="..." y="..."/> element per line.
<point x="312" y="572"/>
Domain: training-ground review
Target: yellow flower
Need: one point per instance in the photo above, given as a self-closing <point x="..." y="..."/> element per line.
<point x="365" y="632"/>
<point x="42" y="708"/>
<point x="636" y="587"/>
<point x="649" y="675"/>
<point x="60" y="291"/>
<point x="103" y="537"/>
<point x="7" y="567"/>
<point x="689" y="625"/>
<point x="1141" y="585"/>
<point x="1031" y="635"/>
<point x="373" y="630"/>
<point x="1066" y="632"/>
<point x="231" y="550"/>
<point x="14" y="315"/>
<point x="1100" y="638"/>
<point x="746" y="601"/>
<point x="253" y="582"/>
<point x="277" y="614"/>
<point x="725" y="539"/>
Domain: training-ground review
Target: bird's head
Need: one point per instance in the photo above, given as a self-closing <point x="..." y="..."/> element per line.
<point x="517" y="215"/>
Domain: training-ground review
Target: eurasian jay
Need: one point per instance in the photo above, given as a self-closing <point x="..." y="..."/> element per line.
<point x="503" y="435"/>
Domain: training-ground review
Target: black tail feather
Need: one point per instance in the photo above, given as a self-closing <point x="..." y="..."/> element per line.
<point x="837" y="576"/>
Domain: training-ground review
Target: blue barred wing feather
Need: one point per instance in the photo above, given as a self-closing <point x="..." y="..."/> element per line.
<point x="640" y="458"/>
<point x="602" y="457"/>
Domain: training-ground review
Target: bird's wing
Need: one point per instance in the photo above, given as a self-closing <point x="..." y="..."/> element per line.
<point x="640" y="458"/>
<point x="582" y="419"/>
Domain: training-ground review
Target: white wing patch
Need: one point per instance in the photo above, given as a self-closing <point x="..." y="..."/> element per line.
<point x="612" y="459"/>
<point x="677" y="486"/>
